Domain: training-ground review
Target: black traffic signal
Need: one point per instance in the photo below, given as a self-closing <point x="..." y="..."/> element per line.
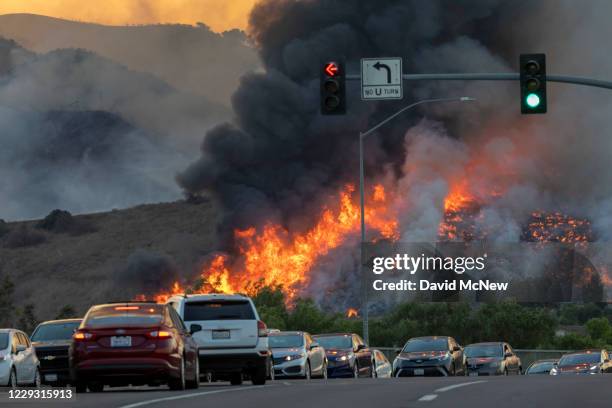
<point x="533" y="83"/>
<point x="333" y="88"/>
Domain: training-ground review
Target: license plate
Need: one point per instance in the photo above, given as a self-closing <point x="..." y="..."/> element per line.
<point x="121" y="341"/>
<point x="473" y="374"/>
<point x="220" y="334"/>
<point x="419" y="371"/>
<point x="51" y="377"/>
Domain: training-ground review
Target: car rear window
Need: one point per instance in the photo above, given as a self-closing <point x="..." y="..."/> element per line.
<point x="417" y="345"/>
<point x="4" y="341"/>
<point x="55" y="331"/>
<point x="219" y="310"/>
<point x="573" y="359"/>
<point x="285" y="340"/>
<point x="493" y="350"/>
<point x="124" y="316"/>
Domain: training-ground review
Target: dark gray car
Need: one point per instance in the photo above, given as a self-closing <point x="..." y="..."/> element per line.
<point x="495" y="358"/>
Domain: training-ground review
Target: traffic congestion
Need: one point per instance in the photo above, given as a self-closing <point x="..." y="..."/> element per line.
<point x="220" y="337"/>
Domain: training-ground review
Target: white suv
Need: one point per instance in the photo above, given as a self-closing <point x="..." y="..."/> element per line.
<point x="232" y="340"/>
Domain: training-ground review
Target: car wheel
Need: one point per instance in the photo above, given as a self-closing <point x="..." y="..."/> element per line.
<point x="37" y="379"/>
<point x="259" y="375"/>
<point x="13" y="378"/>
<point x="373" y="372"/>
<point x="324" y="373"/>
<point x="355" y="371"/>
<point x="95" y="387"/>
<point x="307" y="372"/>
<point x="195" y="382"/>
<point x="505" y="371"/>
<point x="178" y="384"/>
<point x="453" y="370"/>
<point x="236" y="379"/>
<point x="520" y="371"/>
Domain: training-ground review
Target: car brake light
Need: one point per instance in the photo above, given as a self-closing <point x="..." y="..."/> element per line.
<point x="127" y="307"/>
<point x="262" y="330"/>
<point x="81" y="336"/>
<point x="160" y="334"/>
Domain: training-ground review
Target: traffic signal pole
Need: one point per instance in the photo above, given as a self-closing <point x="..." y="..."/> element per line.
<point x="497" y="77"/>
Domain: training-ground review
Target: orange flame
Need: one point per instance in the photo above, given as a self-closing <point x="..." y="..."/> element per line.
<point x="351" y="313"/>
<point x="276" y="257"/>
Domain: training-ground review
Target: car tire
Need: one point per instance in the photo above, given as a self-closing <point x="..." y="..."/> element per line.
<point x="324" y="371"/>
<point x="178" y="384"/>
<point x="307" y="371"/>
<point x="37" y="381"/>
<point x="505" y="372"/>
<point x="453" y="371"/>
<point x="520" y="371"/>
<point x="12" y="382"/>
<point x="355" y="370"/>
<point x="195" y="382"/>
<point x="373" y="372"/>
<point x="259" y="375"/>
<point x="236" y="379"/>
<point x="95" y="386"/>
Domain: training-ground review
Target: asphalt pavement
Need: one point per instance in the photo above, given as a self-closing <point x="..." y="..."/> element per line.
<point x="472" y="392"/>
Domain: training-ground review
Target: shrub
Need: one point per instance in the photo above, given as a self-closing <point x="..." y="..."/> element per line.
<point x="24" y="237"/>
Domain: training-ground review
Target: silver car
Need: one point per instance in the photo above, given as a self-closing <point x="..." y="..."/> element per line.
<point x="296" y="354"/>
<point x="18" y="362"/>
<point x="383" y="366"/>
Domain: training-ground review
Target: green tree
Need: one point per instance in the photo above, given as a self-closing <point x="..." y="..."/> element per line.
<point x="599" y="329"/>
<point x="28" y="320"/>
<point x="7" y="308"/>
<point x="66" y="312"/>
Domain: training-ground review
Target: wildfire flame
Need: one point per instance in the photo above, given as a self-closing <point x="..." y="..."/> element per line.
<point x="276" y="257"/>
<point x="351" y="313"/>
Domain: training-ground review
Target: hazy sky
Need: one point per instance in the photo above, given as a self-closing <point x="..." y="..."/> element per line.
<point x="220" y="15"/>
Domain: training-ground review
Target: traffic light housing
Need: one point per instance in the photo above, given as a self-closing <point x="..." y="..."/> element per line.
<point x="333" y="88"/>
<point x="533" y="83"/>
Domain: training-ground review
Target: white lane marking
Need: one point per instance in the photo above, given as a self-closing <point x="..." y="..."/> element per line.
<point x="184" y="396"/>
<point x="452" y="387"/>
<point x="428" y="397"/>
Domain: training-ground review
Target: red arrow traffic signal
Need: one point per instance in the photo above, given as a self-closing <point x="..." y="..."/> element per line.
<point x="331" y="68"/>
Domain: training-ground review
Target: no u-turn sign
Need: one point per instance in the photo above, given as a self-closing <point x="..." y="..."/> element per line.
<point x="381" y="78"/>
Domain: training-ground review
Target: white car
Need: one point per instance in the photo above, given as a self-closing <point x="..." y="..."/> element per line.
<point x="232" y="340"/>
<point x="18" y="362"/>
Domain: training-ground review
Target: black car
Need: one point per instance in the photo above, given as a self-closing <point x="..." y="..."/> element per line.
<point x="583" y="362"/>
<point x="541" y="367"/>
<point x="347" y="355"/>
<point x="435" y="356"/>
<point x="496" y="358"/>
<point x="51" y="341"/>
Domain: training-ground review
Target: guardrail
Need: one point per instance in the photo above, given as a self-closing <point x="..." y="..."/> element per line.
<point x="527" y="356"/>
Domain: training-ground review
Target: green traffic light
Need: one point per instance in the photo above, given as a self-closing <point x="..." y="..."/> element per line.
<point x="532" y="100"/>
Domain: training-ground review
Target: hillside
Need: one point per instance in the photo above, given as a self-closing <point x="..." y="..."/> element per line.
<point x="190" y="58"/>
<point x="128" y="252"/>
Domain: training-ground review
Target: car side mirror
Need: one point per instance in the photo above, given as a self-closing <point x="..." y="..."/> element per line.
<point x="398" y="351"/>
<point x="194" y="328"/>
<point x="360" y="347"/>
<point x="314" y="345"/>
<point x="456" y="348"/>
<point x="607" y="360"/>
<point x="507" y="354"/>
<point x="20" y="348"/>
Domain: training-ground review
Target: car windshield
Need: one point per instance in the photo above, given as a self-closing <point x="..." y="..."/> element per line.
<point x="124" y="316"/>
<point x="544" y="367"/>
<point x="417" y="345"/>
<point x="4" y="340"/>
<point x="285" y="341"/>
<point x="219" y="310"/>
<point x="55" y="331"/>
<point x="493" y="350"/>
<point x="335" y="342"/>
<point x="585" y="358"/>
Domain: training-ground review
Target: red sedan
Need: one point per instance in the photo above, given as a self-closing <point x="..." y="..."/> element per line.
<point x="133" y="343"/>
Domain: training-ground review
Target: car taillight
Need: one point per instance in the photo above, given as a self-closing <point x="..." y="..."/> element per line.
<point x="160" y="334"/>
<point x="82" y="336"/>
<point x="262" y="330"/>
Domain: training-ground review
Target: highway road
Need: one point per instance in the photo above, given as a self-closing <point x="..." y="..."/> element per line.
<point x="498" y="392"/>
